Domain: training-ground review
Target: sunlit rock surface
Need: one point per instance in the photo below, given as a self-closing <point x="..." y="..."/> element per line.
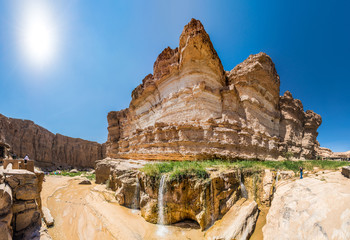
<point x="203" y="200"/>
<point x="47" y="149"/>
<point x="20" y="204"/>
<point x="311" y="208"/>
<point x="190" y="108"/>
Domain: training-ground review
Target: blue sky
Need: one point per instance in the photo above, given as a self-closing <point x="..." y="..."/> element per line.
<point x="103" y="49"/>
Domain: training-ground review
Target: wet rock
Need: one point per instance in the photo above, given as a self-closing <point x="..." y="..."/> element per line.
<point x="201" y="200"/>
<point x="48" y="219"/>
<point x="238" y="222"/>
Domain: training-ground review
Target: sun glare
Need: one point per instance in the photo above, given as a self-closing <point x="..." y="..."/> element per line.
<point x="38" y="34"/>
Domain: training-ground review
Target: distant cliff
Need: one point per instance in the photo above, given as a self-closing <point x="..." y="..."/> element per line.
<point x="191" y="108"/>
<point x="46" y="148"/>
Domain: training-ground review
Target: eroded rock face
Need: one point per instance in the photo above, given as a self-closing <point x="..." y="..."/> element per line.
<point x="47" y="149"/>
<point x="190" y="108"/>
<point x="310" y="208"/>
<point x="20" y="204"/>
<point x="202" y="200"/>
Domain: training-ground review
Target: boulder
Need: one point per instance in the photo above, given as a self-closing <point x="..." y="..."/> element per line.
<point x="5" y="199"/>
<point x="73" y="170"/>
<point x="238" y="222"/>
<point x="346" y="171"/>
<point x="48" y="219"/>
<point x="85" y="182"/>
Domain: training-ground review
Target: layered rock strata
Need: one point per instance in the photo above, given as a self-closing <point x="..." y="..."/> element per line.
<point x="20" y="204"/>
<point x="190" y="108"/>
<point x="48" y="149"/>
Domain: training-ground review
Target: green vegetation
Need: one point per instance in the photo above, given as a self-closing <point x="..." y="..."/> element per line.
<point x="288" y="155"/>
<point x="88" y="175"/>
<point x="179" y="169"/>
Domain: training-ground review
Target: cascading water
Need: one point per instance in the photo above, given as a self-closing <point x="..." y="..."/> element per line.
<point x="277" y="174"/>
<point x="161" y="216"/>
<point x="243" y="189"/>
<point x="212" y="203"/>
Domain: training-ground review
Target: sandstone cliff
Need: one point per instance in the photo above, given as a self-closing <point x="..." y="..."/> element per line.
<point x="190" y="108"/>
<point x="46" y="148"/>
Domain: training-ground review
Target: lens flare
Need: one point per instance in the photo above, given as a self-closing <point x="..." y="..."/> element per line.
<point x="38" y="34"/>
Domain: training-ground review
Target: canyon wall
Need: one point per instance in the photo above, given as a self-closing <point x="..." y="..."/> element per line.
<point x="191" y="108"/>
<point x="47" y="149"/>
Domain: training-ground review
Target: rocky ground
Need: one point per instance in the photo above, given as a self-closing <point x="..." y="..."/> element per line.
<point x="90" y="212"/>
<point x="316" y="207"/>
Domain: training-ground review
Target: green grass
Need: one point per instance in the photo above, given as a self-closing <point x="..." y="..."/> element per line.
<point x="79" y="173"/>
<point x="179" y="169"/>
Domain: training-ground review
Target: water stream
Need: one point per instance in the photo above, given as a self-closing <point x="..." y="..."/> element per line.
<point x="243" y="189"/>
<point x="162" y="230"/>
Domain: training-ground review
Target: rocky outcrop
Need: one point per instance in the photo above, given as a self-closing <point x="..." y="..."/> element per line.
<point x="190" y="108"/>
<point x="20" y="204"/>
<point x="310" y="208"/>
<point x="47" y="149"/>
<point x="326" y="153"/>
<point x="238" y="222"/>
<point x="203" y="200"/>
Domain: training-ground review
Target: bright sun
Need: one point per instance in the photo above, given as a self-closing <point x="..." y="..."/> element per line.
<point x="38" y="36"/>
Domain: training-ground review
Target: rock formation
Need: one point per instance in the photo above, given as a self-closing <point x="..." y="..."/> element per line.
<point x="201" y="200"/>
<point x="48" y="149"/>
<point x="326" y="153"/>
<point x="190" y="108"/>
<point x="20" y="204"/>
<point x="310" y="208"/>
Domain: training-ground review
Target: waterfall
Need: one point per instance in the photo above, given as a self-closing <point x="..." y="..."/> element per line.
<point x="212" y="203"/>
<point x="243" y="189"/>
<point x="161" y="217"/>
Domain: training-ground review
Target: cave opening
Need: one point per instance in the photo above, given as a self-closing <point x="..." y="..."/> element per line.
<point x="187" y="223"/>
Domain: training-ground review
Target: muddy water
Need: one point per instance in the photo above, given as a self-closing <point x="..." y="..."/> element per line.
<point x="90" y="212"/>
<point x="260" y="223"/>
